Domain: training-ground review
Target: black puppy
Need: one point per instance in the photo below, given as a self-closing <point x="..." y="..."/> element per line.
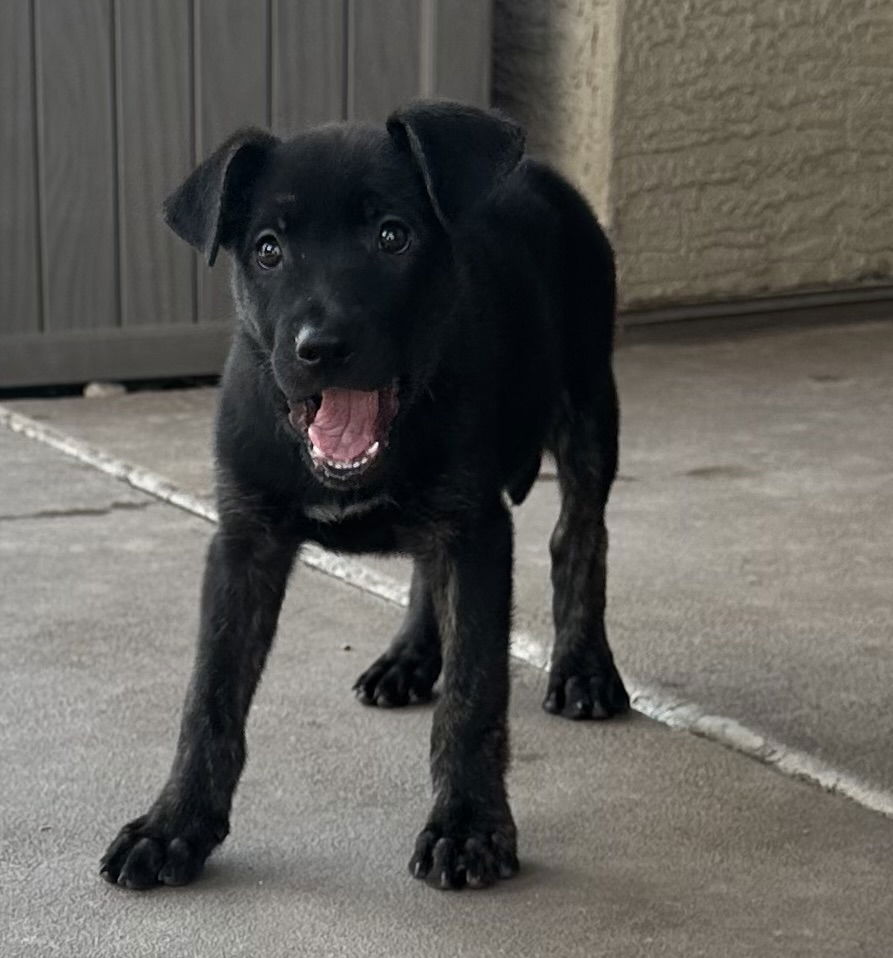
<point x="422" y="311"/>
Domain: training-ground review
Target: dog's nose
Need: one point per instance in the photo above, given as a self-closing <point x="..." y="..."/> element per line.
<point x="320" y="349"/>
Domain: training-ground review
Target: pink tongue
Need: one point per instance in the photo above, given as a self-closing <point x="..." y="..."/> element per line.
<point x="344" y="426"/>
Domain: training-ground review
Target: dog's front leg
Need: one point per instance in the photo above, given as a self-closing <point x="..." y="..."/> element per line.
<point x="469" y="838"/>
<point x="245" y="579"/>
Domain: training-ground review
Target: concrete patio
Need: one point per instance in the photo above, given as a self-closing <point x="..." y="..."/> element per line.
<point x="750" y="577"/>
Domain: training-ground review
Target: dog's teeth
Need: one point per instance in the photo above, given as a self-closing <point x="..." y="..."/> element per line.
<point x="339" y="466"/>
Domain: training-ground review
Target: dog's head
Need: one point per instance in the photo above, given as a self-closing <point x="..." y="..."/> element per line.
<point x="343" y="262"/>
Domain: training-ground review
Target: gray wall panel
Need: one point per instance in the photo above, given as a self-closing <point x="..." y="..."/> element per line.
<point x="139" y="352"/>
<point x="385" y="61"/>
<point x="77" y="182"/>
<point x="106" y="105"/>
<point x="232" y="90"/>
<point x="307" y="63"/>
<point x="461" y="45"/>
<point x="19" y="262"/>
<point x="154" y="154"/>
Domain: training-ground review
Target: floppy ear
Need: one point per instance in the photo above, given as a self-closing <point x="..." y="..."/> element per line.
<point x="461" y="151"/>
<point x="205" y="209"/>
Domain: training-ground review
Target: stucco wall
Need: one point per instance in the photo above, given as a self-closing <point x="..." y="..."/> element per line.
<point x="554" y="66"/>
<point x="733" y="149"/>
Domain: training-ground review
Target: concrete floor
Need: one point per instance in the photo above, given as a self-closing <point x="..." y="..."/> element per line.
<point x="635" y="839"/>
<point x="751" y="572"/>
<point x="750" y="568"/>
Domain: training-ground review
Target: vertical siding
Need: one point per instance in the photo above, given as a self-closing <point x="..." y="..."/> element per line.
<point x="384" y="67"/>
<point x="154" y="128"/>
<point x="77" y="169"/>
<point x="107" y="105"/>
<point x="461" y="35"/>
<point x="231" y="52"/>
<point x="307" y="63"/>
<point x="19" y="240"/>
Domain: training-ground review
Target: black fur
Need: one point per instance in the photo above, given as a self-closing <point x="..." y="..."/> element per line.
<point x="496" y="326"/>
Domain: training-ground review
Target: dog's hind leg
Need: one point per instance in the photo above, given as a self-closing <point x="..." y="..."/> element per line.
<point x="411" y="665"/>
<point x="583" y="681"/>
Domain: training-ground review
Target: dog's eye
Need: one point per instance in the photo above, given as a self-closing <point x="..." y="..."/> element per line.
<point x="393" y="236"/>
<point x="268" y="252"/>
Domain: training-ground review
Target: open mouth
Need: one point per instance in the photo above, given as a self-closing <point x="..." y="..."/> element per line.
<point x="346" y="430"/>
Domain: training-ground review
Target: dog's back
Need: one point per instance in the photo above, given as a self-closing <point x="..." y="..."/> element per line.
<point x="537" y="325"/>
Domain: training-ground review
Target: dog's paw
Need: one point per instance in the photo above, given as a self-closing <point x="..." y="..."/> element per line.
<point x="453" y="858"/>
<point x="596" y="695"/>
<point x="396" y="679"/>
<point x="148" y="852"/>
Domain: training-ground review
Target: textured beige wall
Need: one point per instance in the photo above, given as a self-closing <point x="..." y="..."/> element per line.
<point x="554" y="65"/>
<point x="734" y="149"/>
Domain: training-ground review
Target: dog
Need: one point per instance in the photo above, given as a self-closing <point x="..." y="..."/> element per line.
<point x="423" y="311"/>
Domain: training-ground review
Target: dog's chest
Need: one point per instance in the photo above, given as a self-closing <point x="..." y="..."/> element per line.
<point x="331" y="512"/>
